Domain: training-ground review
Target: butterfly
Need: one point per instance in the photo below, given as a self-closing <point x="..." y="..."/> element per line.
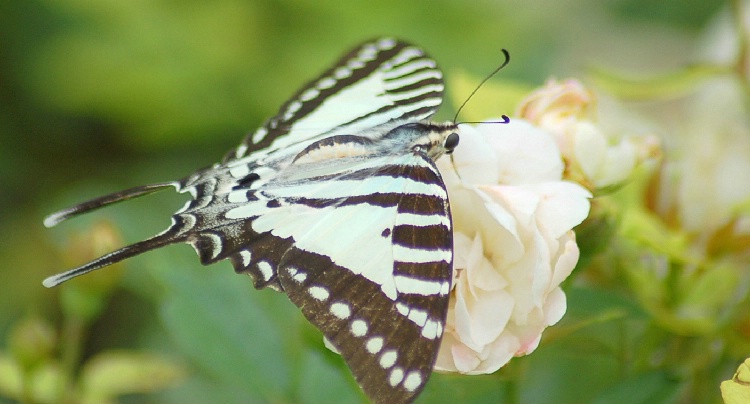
<point x="336" y="201"/>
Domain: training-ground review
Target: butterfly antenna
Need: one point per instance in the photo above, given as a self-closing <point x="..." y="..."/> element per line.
<point x="489" y="76"/>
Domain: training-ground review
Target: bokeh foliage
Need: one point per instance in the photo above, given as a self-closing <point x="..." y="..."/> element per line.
<point x="97" y="96"/>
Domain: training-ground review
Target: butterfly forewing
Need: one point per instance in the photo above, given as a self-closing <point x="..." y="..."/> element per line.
<point x="381" y="81"/>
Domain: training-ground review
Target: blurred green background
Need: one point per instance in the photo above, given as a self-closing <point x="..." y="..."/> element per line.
<point x="101" y="95"/>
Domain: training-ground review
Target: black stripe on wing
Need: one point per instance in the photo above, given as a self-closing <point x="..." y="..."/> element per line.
<point x="420" y="202"/>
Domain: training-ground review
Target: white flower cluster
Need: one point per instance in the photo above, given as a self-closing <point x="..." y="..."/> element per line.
<point x="513" y="242"/>
<point x="517" y="191"/>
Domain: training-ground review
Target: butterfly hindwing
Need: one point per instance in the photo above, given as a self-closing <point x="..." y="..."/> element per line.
<point x="378" y="291"/>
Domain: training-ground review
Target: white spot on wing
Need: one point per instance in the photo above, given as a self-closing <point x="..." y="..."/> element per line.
<point x="246" y="256"/>
<point x="326" y="83"/>
<point x="259" y="134"/>
<point x="342" y="73"/>
<point x="388" y="359"/>
<point x="297" y="275"/>
<point x="374" y="345"/>
<point x="368" y="53"/>
<point x="309" y="94"/>
<point x="265" y="269"/>
<point x="413" y="381"/>
<point x="319" y="293"/>
<point x="355" y="64"/>
<point x="294" y="107"/>
<point x="359" y="328"/>
<point x="300" y="277"/>
<point x="397" y="374"/>
<point x="431" y="329"/>
<point x="402" y="308"/>
<point x="241" y="149"/>
<point x="418" y="316"/>
<point x="386" y="43"/>
<point x="341" y="310"/>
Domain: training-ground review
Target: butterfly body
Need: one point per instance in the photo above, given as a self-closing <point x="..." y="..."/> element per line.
<point x="344" y="212"/>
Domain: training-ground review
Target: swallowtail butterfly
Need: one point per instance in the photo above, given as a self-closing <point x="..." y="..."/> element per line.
<point x="337" y="202"/>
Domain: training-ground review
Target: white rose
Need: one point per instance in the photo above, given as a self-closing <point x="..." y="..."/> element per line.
<point x="512" y="216"/>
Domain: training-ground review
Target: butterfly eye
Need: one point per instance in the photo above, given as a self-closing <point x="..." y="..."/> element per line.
<point x="451" y="142"/>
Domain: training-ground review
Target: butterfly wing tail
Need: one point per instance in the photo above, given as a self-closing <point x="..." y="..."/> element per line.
<point x="57" y="217"/>
<point x="168" y="237"/>
<point x="172" y="235"/>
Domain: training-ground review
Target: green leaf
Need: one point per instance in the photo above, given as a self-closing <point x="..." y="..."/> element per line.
<point x="238" y="336"/>
<point x="582" y="356"/>
<point x="567" y="372"/>
<point x="455" y="388"/>
<point x="587" y="303"/>
<point x="646" y="229"/>
<point x="322" y="382"/>
<point x="707" y="296"/>
<point x="645" y="388"/>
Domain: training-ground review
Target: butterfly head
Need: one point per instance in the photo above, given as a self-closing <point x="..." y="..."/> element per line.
<point x="433" y="139"/>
